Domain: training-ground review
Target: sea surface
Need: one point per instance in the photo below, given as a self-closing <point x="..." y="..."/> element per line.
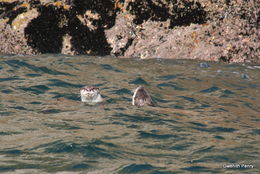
<point x="206" y="119"/>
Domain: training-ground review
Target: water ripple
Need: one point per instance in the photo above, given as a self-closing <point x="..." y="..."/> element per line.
<point x="203" y="119"/>
<point x="7" y="91"/>
<point x="9" y="133"/>
<point x="10" y="79"/>
<point x="63" y="126"/>
<point x="122" y="91"/>
<point x="110" y="68"/>
<point x="51" y="111"/>
<point x="138" y="118"/>
<point x="89" y="149"/>
<point x="256" y="131"/>
<point x="190" y="99"/>
<point x="251" y="106"/>
<point x="74" y="97"/>
<point x="11" y="152"/>
<point x="173" y="85"/>
<point x="154" y="135"/>
<point x="138" y="81"/>
<point x="183" y="146"/>
<point x="198" y="124"/>
<point x="7" y="113"/>
<point x="60" y="83"/>
<point x="215" y="129"/>
<point x="168" y="77"/>
<point x="37" y="89"/>
<point x="42" y="69"/>
<point x="204" y="149"/>
<point x="196" y="169"/>
<point x="139" y="168"/>
<point x="79" y="166"/>
<point x="210" y="90"/>
<point x="33" y="75"/>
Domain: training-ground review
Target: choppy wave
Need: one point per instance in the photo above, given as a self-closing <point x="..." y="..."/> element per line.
<point x="207" y="116"/>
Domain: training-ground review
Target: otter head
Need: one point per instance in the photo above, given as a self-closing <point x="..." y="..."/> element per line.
<point x="141" y="97"/>
<point x="90" y="94"/>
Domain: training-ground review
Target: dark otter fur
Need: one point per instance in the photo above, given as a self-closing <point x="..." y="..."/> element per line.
<point x="141" y="97"/>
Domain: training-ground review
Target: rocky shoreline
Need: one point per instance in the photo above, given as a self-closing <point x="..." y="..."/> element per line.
<point x="208" y="30"/>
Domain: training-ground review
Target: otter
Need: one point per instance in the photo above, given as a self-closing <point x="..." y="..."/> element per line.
<point x="141" y="97"/>
<point x="90" y="94"/>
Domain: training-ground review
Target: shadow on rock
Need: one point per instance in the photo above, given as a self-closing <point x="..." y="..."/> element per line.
<point x="180" y="12"/>
<point x="45" y="32"/>
<point x="84" y="22"/>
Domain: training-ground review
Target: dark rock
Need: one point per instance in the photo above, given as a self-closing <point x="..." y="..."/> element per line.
<point x="206" y="30"/>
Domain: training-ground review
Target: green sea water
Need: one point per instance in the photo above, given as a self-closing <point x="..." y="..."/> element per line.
<point x="207" y="118"/>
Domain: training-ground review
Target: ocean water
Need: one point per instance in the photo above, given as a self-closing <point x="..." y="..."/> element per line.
<point x="207" y="118"/>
